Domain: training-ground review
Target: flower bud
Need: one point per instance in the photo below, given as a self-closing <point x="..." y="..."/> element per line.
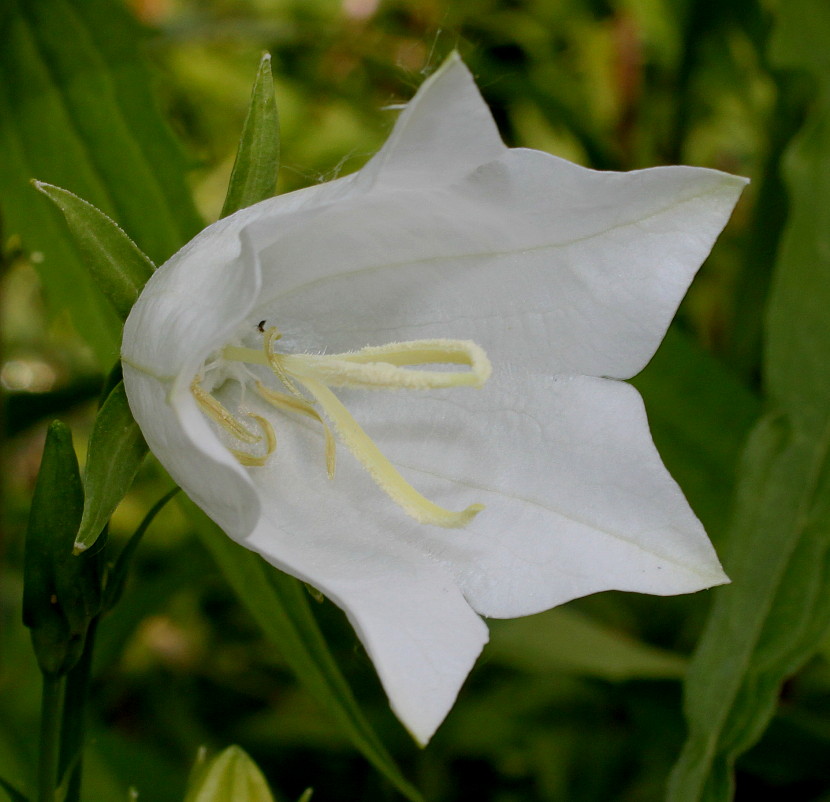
<point x="229" y="775"/>
<point x="61" y="592"/>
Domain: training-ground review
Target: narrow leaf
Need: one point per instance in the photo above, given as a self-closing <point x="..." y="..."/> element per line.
<point x="254" y="175"/>
<point x="773" y="617"/>
<point x="770" y="620"/>
<point x="77" y="111"/>
<point x="564" y="641"/>
<point x="116" y="451"/>
<point x="700" y="416"/>
<point x="119" y="268"/>
<point x="13" y="794"/>
<point x="279" y="604"/>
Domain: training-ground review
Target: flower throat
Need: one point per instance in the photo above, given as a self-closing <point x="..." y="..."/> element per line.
<point x="309" y="379"/>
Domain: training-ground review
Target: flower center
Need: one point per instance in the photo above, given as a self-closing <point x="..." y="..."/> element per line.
<point x="309" y="379"/>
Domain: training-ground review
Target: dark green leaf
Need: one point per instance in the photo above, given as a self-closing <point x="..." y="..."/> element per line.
<point x="116" y="451"/>
<point x="13" y="794"/>
<point x="119" y="268"/>
<point x="76" y="111"/>
<point x="279" y="604"/>
<point x="772" y="619"/>
<point x="700" y="416"/>
<point x="565" y="641"/>
<point x="254" y="175"/>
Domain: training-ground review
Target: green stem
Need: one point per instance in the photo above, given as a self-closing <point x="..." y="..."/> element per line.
<point x="73" y="722"/>
<point x="50" y="717"/>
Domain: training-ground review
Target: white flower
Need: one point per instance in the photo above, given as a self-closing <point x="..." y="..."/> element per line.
<point x="446" y="248"/>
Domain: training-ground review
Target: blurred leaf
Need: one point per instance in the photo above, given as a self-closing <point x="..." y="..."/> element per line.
<point x="279" y="605"/>
<point x="769" y="214"/>
<point x="254" y="176"/>
<point x="116" y="451"/>
<point x="700" y="416"/>
<point x="13" y="794"/>
<point x="231" y="775"/>
<point x="119" y="268"/>
<point x="76" y="110"/>
<point x="23" y="409"/>
<point x="773" y="617"/>
<point x="566" y="641"/>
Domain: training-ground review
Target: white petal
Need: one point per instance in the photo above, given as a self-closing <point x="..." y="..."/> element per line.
<point x="545" y="264"/>
<point x="576" y="497"/>
<point x="445" y="131"/>
<point x="345" y="537"/>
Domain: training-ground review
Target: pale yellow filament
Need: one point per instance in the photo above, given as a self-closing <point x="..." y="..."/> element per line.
<point x="216" y="411"/>
<point x="292" y="404"/>
<point x="375" y="367"/>
<point x="380" y="469"/>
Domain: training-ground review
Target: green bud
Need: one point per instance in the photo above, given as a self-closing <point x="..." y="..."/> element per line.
<point x="61" y="592"/>
<point x="229" y="775"/>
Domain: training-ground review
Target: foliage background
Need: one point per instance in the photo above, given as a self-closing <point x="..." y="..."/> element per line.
<point x="582" y="703"/>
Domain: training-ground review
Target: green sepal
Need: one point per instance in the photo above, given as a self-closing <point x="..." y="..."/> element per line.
<point x="118" y="574"/>
<point x="119" y="267"/>
<point x="61" y="592"/>
<point x="229" y="775"/>
<point x="116" y="451"/>
<point x="254" y="175"/>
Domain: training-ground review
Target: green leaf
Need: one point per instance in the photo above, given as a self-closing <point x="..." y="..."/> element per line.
<point x="254" y="175"/>
<point x="119" y="268"/>
<point x="565" y="641"/>
<point x="279" y="604"/>
<point x="61" y="592"/>
<point x="76" y="111"/>
<point x="774" y="616"/>
<point x="771" y="619"/>
<point x="116" y="451"/>
<point x="13" y="794"/>
<point x="700" y="416"/>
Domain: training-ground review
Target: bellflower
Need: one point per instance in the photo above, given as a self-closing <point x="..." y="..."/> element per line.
<point x="502" y="294"/>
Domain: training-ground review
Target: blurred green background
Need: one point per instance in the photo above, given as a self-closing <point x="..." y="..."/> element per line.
<point x="579" y="704"/>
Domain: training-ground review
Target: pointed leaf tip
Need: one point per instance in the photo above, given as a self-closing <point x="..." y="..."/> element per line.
<point x="254" y="175"/>
<point x="116" y="263"/>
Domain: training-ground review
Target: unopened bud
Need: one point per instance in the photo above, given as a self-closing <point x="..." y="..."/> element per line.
<point x="229" y="775"/>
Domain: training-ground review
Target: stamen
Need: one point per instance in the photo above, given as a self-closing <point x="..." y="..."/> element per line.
<point x="251" y="460"/>
<point x="380" y="469"/>
<point x="363" y="369"/>
<point x="374" y="367"/>
<point x="275" y="360"/>
<point x="290" y="403"/>
<point x="217" y="412"/>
